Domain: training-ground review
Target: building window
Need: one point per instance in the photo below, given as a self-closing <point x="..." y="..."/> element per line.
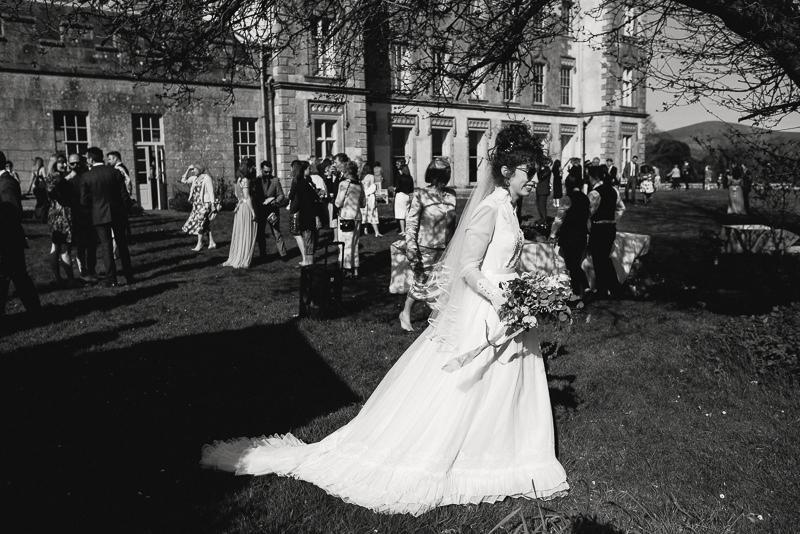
<point x="567" y="14"/>
<point x="400" y="65"/>
<point x="76" y="34"/>
<point x="508" y="81"/>
<point x="72" y="131"/>
<point x="566" y="86"/>
<point x="627" y="87"/>
<point x="438" y="60"/>
<point x="475" y="157"/>
<point x="147" y="129"/>
<point x="244" y="140"/>
<point x="629" y="24"/>
<point x="325" y="142"/>
<point x="438" y="142"/>
<point x="538" y="83"/>
<point x="400" y="141"/>
<point x="626" y="147"/>
<point x="322" y="49"/>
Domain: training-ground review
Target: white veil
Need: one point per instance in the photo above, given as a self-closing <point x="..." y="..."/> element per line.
<point x="451" y="287"/>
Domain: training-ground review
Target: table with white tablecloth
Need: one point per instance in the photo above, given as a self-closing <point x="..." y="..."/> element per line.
<point x="628" y="247"/>
<point x="756" y="238"/>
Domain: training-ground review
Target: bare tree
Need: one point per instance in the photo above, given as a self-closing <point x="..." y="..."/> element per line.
<point x="741" y="53"/>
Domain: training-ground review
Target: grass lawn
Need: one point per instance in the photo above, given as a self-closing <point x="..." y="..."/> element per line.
<point x="667" y="420"/>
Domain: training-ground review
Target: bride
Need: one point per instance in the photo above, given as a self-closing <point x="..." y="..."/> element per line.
<point x="427" y="437"/>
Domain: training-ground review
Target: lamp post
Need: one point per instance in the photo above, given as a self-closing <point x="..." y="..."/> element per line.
<point x="583" y="143"/>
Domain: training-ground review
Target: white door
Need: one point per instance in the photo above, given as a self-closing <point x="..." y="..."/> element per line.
<point x="142" y="172"/>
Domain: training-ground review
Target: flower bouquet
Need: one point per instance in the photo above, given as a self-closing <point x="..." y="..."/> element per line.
<point x="529" y="299"/>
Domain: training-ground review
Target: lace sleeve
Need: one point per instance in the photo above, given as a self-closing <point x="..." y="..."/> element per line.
<point x="476" y="241"/>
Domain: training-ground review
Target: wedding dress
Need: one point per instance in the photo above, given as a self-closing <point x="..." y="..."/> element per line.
<point x="427" y="437"/>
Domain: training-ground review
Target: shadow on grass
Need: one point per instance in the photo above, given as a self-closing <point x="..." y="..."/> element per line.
<point x="112" y="299"/>
<point x="114" y="437"/>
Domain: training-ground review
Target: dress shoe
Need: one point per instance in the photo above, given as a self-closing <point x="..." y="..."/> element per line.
<point x="109" y="283"/>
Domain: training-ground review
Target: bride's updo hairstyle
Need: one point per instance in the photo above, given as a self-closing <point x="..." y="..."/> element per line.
<point x="514" y="146"/>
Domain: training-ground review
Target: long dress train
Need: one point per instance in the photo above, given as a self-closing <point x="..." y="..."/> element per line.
<point x="426" y="437"/>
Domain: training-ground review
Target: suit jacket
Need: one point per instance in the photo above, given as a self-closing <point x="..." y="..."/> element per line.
<point x="258" y="190"/>
<point x="630" y="170"/>
<point x="12" y="236"/>
<point x="104" y="194"/>
<point x="274" y="189"/>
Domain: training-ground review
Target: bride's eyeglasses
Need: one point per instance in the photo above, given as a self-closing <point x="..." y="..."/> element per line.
<point x="529" y="170"/>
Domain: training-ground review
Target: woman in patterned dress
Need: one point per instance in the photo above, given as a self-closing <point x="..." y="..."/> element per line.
<point x="243" y="238"/>
<point x="59" y="218"/>
<point x="430" y="224"/>
<point x="201" y="195"/>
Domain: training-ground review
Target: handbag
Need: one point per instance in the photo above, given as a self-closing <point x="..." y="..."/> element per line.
<point x="347" y="225"/>
<point x="216" y="207"/>
<point x="294" y="223"/>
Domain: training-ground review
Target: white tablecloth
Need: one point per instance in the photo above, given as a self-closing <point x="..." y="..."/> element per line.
<point x="627" y="248"/>
<point x="756" y="238"/>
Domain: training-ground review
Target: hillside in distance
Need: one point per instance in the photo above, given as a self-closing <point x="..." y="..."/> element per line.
<point x="719" y="133"/>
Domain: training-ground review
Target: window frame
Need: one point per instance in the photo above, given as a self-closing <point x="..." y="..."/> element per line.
<point x="538" y="85"/>
<point x="566" y="89"/>
<point x="67" y="122"/>
<point x="250" y="143"/>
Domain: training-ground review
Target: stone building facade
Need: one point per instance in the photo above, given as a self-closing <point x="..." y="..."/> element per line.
<point x="587" y="100"/>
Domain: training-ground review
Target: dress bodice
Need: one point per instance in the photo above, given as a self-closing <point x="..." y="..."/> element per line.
<point x="506" y="240"/>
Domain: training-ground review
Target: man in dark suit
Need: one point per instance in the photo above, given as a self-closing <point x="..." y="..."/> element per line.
<point x="83" y="234"/>
<point x="12" y="244"/>
<point x="612" y="172"/>
<point x="257" y="189"/>
<point x="104" y="194"/>
<point x="631" y="174"/>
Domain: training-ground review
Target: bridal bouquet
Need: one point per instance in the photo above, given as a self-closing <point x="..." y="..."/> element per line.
<point x="531" y="298"/>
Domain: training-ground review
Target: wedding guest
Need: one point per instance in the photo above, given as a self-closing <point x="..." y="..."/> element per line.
<point x="543" y="193"/>
<point x="687" y="174"/>
<point x="114" y="159"/>
<point x="747" y="186"/>
<point x="83" y="235"/>
<point x="403" y="188"/>
<point x="39" y="188"/>
<point x="321" y="188"/>
<point x="736" y="197"/>
<point x="606" y="207"/>
<point x="349" y="200"/>
<point x="243" y="236"/>
<point x="370" y="212"/>
<point x="39" y="171"/>
<point x="675" y="177"/>
<point x="427" y="437"/>
<point x="103" y="192"/>
<point x="274" y="200"/>
<point x="59" y="218"/>
<point x="430" y="225"/>
<point x="13" y="245"/>
<point x="10" y="170"/>
<point x="202" y="199"/>
<point x="646" y="186"/>
<point x="558" y="183"/>
<point x="630" y="173"/>
<point x="571" y="228"/>
<point x="612" y="172"/>
<point x="303" y="211"/>
<point x="377" y="171"/>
